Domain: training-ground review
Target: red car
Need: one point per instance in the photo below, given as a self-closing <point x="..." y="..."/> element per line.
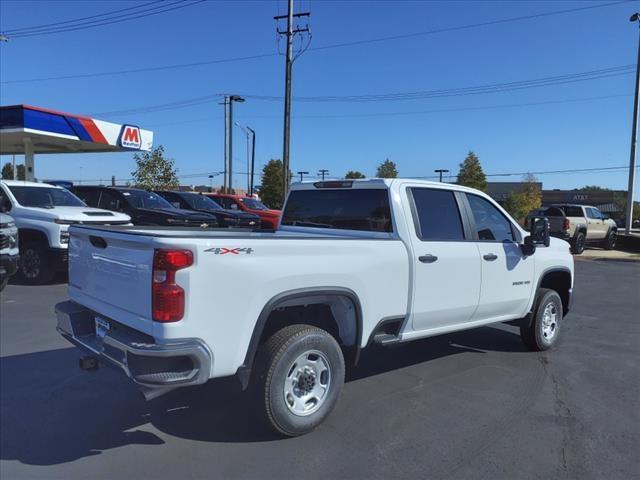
<point x="268" y="217"/>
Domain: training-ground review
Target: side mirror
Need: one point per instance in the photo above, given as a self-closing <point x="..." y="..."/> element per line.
<point x="540" y="232"/>
<point x="5" y="206"/>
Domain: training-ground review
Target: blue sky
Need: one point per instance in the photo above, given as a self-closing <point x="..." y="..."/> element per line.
<point x="571" y="126"/>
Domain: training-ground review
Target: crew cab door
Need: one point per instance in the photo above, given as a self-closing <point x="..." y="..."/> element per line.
<point x="507" y="275"/>
<point x="446" y="265"/>
<point x="596" y="227"/>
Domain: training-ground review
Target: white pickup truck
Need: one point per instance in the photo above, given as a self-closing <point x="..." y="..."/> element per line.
<point x="352" y="263"/>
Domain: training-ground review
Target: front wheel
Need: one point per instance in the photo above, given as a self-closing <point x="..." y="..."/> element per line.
<point x="578" y="243"/>
<point x="301" y="377"/>
<point x="35" y="267"/>
<point x="610" y="241"/>
<point x="542" y="332"/>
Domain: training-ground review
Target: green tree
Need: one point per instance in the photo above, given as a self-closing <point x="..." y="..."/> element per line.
<point x="471" y="174"/>
<point x="272" y="188"/>
<point x="7" y="171"/>
<point x="520" y="204"/>
<point x="354" y="174"/>
<point x="154" y="170"/>
<point x="595" y="188"/>
<point x="387" y="169"/>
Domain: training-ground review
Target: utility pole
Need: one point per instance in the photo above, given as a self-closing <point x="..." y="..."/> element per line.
<point x="302" y="175"/>
<point x="228" y="139"/>
<point x="634" y="130"/>
<point x="289" y="58"/>
<point x="440" y="172"/>
<point x="247" y="131"/>
<point x="15" y="173"/>
<point x="323" y="172"/>
<point x="113" y="180"/>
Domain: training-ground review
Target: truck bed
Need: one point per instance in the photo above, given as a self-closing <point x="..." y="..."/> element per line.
<point x="233" y="276"/>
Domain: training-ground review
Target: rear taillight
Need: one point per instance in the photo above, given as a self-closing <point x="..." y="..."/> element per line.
<point x="566" y="224"/>
<point x="167" y="297"/>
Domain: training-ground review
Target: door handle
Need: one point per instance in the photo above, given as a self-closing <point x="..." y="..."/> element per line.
<point x="428" y="258"/>
<point x="490" y="257"/>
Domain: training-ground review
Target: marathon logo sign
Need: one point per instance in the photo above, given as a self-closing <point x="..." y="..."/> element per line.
<point x="130" y="137"/>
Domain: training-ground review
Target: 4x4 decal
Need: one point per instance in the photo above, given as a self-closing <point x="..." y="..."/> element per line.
<point x="233" y="251"/>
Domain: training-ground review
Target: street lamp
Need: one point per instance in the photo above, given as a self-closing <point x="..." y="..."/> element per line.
<point x="250" y="155"/>
<point x="634" y="129"/>
<point x="228" y="139"/>
<point x="441" y="171"/>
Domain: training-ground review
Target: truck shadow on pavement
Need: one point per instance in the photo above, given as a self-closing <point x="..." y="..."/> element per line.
<point x="51" y="412"/>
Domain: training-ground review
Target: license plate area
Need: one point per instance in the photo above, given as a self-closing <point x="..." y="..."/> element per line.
<point x="102" y="327"/>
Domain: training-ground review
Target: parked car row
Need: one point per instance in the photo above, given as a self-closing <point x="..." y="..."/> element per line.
<point x="43" y="212"/>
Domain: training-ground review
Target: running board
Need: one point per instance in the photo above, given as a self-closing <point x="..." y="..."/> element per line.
<point x="385" y="339"/>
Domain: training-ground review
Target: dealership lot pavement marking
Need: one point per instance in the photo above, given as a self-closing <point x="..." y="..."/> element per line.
<point x="466" y="405"/>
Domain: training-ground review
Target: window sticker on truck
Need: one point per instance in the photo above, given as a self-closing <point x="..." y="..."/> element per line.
<point x="234" y="251"/>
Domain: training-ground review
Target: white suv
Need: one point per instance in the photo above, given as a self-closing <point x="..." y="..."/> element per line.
<point x="43" y="213"/>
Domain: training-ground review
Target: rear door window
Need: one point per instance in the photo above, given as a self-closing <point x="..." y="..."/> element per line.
<point x="437" y="215"/>
<point x="361" y="209"/>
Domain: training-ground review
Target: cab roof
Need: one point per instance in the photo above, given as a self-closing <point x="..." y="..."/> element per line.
<point x="24" y="183"/>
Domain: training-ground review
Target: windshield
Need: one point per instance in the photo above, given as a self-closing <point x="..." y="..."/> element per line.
<point x="45" y="197"/>
<point x="142" y="199"/>
<point x="253" y="204"/>
<point x="362" y="209"/>
<point x="201" y="202"/>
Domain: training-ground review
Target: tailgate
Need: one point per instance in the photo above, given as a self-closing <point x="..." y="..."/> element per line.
<point x="110" y="273"/>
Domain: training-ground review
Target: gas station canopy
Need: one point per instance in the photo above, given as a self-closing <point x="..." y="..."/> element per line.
<point x="29" y="130"/>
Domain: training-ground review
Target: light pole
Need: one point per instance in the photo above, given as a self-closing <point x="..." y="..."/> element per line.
<point x="302" y="175"/>
<point x="251" y="151"/>
<point x="228" y="139"/>
<point x="253" y="159"/>
<point x="634" y="130"/>
<point x="440" y="172"/>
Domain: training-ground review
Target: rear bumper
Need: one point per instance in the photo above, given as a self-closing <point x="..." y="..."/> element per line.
<point x="8" y="265"/>
<point x="155" y="368"/>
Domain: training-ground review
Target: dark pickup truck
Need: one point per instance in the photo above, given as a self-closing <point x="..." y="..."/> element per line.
<point x="144" y="208"/>
<point x="201" y="203"/>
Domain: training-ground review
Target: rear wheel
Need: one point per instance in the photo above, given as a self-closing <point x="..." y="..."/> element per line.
<point x="578" y="243"/>
<point x="542" y="332"/>
<point x="610" y="241"/>
<point x="300" y="378"/>
<point x="35" y="266"/>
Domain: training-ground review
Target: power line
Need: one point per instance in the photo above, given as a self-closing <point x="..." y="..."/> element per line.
<point x="116" y="19"/>
<point x="463" y="91"/>
<point x="468" y="26"/>
<point x="325" y="47"/>
<point x="37" y="27"/>
<point x="426" y="94"/>
<point x="509" y="174"/>
<point x="546" y="172"/>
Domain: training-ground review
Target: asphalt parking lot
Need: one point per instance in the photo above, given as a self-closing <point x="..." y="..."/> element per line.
<point x="466" y="405"/>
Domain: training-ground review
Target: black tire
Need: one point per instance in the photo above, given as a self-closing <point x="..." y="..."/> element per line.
<point x="35" y="267"/>
<point x="535" y="334"/>
<point x="579" y="241"/>
<point x="610" y="241"/>
<point x="276" y="362"/>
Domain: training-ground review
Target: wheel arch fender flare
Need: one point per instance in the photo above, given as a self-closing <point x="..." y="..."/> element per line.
<point x="566" y="302"/>
<point x="298" y="297"/>
<point x="30" y="234"/>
